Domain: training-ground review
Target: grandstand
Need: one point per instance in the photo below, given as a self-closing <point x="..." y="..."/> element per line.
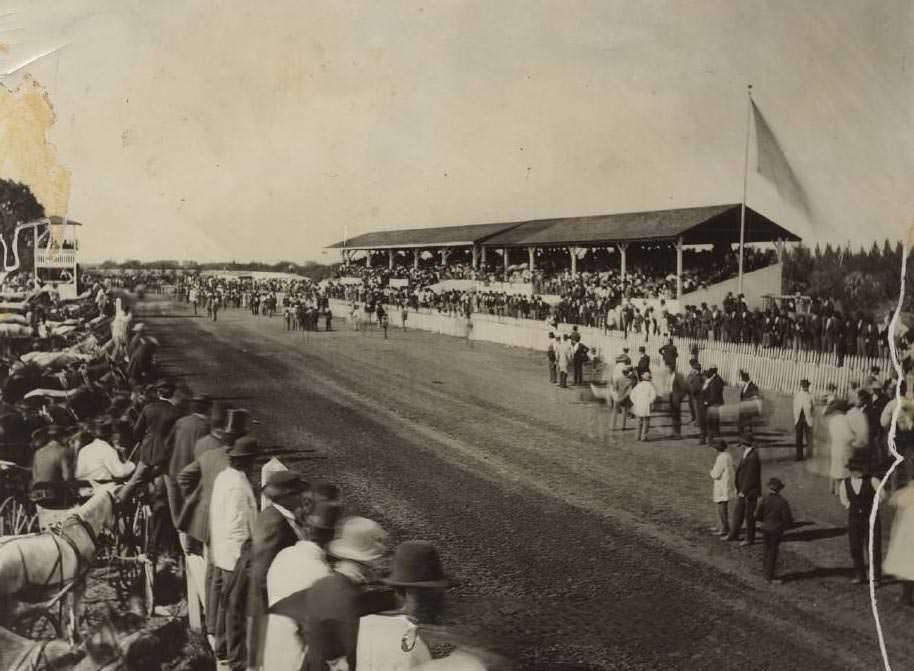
<point x="664" y="233"/>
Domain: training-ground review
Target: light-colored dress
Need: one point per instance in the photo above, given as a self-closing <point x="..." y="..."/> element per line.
<point x="899" y="560"/>
<point x="840" y="445"/>
<point x="382" y="639"/>
<point x="724" y="475"/>
<point x="642" y="396"/>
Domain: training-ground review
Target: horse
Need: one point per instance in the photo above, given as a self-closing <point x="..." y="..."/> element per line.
<point x="33" y="566"/>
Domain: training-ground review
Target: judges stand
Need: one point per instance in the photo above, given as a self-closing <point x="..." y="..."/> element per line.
<point x="56" y="255"/>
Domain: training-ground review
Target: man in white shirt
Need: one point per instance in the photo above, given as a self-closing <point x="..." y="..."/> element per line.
<point x="802" y="418"/>
<point x="231" y="524"/>
<point x="99" y="461"/>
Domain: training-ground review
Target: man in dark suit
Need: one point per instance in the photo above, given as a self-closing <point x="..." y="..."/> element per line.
<point x="276" y="528"/>
<point x="748" y="490"/>
<point x="712" y="394"/>
<point x="695" y="381"/>
<point x="644" y="362"/>
<point x="183" y="438"/>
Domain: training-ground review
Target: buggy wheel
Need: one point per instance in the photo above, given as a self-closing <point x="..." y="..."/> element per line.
<point x="38" y="625"/>
<point x="16" y="519"/>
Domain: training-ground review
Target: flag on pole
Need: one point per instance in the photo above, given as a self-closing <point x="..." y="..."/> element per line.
<point x="773" y="165"/>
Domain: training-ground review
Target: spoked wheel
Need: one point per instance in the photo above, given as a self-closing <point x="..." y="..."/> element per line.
<point x="130" y="552"/>
<point x="16" y="518"/>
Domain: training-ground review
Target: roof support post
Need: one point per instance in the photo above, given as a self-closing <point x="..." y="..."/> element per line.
<point x="622" y="246"/>
<point x="390" y="259"/>
<point x="679" y="268"/>
<point x="505" y="259"/>
<point x="483" y="259"/>
<point x="531" y="260"/>
<point x="368" y="258"/>
<point x="475" y="257"/>
<point x="445" y="252"/>
<point x="574" y="259"/>
<point x="416" y="253"/>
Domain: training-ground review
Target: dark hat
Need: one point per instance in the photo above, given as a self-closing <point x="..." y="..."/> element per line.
<point x="283" y="483"/>
<point x="775" y="484"/>
<point x="859" y="461"/>
<point x="713" y="370"/>
<point x="218" y="412"/>
<point x="325" y="515"/>
<point x="745" y="439"/>
<point x="246" y="446"/>
<point x="641" y="348"/>
<point x="694" y="362"/>
<point x="416" y="564"/>
<point x="236" y="423"/>
<point x="40" y="435"/>
<point x="326" y="489"/>
<point x="804" y="383"/>
<point x="199" y="404"/>
<point x="102" y="427"/>
<point x="720" y="444"/>
<point x="166" y="387"/>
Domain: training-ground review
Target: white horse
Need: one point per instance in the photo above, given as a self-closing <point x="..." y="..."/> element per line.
<point x="35" y="566"/>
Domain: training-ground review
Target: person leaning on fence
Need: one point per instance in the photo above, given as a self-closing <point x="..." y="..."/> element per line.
<point x="802" y="418"/>
<point x="775" y="517"/>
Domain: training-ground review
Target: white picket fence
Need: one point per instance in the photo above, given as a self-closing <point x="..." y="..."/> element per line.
<point x="773" y="369"/>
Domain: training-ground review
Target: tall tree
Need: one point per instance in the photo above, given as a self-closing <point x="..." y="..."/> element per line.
<point x="18" y="205"/>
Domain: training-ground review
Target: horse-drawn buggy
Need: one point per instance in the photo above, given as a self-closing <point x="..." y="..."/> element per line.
<point x="86" y="528"/>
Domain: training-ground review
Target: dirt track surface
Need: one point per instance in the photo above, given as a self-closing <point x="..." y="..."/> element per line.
<point x="571" y="551"/>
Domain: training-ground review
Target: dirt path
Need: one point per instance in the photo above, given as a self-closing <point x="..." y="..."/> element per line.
<point x="568" y="548"/>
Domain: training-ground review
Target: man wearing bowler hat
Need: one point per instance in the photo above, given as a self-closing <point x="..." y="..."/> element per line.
<point x="276" y="528"/>
<point x="775" y="517"/>
<point x="858" y="495"/>
<point x="231" y="525"/>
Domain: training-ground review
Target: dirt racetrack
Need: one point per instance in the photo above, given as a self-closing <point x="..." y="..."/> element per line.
<point x="571" y="551"/>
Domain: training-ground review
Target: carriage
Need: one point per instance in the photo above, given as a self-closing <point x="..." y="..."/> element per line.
<point x="118" y="552"/>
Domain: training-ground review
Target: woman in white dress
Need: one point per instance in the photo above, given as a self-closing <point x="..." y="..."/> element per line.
<point x="841" y="439"/>
<point x="899" y="560"/>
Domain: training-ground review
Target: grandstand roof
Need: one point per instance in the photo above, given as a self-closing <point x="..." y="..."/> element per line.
<point x="697" y="226"/>
<point x="445" y="236"/>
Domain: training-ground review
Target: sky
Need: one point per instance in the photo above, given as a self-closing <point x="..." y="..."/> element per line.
<point x="227" y="130"/>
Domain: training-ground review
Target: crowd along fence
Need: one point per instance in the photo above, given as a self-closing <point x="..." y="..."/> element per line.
<point x="772" y="369"/>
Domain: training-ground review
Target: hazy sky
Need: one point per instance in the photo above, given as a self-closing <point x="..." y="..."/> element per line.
<point x="239" y="130"/>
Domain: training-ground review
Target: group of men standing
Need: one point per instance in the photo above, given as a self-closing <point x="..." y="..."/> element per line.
<point x="566" y="354"/>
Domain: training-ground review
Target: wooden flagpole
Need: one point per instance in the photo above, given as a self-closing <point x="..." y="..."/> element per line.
<point x="742" y="212"/>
